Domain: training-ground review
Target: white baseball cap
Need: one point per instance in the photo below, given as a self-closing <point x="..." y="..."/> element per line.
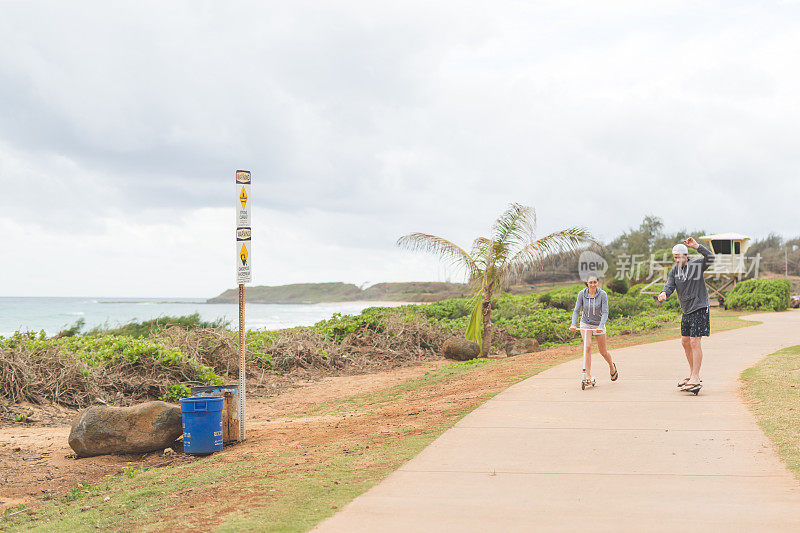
<point x="680" y="249"/>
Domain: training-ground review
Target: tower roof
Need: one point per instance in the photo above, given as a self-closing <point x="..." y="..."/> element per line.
<point x="726" y="236"/>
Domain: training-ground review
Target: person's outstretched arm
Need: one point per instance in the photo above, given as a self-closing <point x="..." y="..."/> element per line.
<point x="708" y="256"/>
<point x="669" y="286"/>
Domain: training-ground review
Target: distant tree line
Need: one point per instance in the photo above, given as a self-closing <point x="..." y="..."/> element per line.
<point x="649" y="238"/>
<point x="778" y="254"/>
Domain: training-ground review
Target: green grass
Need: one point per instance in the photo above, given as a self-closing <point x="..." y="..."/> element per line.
<point x="135" y="495"/>
<point x="772" y="388"/>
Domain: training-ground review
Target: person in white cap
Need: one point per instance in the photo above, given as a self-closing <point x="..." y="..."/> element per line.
<point x="686" y="277"/>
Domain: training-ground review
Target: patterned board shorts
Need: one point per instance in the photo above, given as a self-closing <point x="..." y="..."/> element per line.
<point x="696" y="324"/>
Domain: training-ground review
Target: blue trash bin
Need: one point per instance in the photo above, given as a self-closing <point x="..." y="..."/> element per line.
<point x="202" y="424"/>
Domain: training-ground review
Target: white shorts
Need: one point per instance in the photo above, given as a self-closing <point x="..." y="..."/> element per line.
<point x="594" y="329"/>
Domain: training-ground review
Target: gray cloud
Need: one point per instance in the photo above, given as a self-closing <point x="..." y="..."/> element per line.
<point x="363" y="121"/>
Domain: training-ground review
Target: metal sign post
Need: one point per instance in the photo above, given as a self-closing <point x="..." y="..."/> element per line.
<point x="243" y="275"/>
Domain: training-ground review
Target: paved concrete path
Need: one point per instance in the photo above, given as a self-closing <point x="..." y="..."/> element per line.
<point x="635" y="455"/>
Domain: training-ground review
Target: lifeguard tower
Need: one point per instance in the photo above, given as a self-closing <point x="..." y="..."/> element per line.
<point x="730" y="265"/>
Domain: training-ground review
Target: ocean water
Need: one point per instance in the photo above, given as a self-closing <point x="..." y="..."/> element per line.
<point x="54" y="314"/>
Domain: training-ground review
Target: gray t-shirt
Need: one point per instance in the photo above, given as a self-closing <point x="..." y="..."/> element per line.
<point x="688" y="280"/>
<point x="595" y="309"/>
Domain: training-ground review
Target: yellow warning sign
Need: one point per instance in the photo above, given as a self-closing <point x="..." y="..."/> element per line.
<point x="244" y="248"/>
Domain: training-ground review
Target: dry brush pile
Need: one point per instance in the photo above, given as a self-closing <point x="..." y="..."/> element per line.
<point x="344" y="344"/>
<point x="77" y="371"/>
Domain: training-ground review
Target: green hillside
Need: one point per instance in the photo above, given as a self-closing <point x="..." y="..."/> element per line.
<point x="309" y="293"/>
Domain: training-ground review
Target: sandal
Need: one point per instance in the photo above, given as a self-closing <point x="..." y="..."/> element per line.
<point x="684" y="382"/>
<point x="615" y="374"/>
<point x="694" y="389"/>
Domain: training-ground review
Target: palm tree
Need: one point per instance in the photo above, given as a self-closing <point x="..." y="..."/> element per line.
<point x="495" y="261"/>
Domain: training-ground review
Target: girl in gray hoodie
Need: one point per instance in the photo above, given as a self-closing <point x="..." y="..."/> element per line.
<point x="592" y="308"/>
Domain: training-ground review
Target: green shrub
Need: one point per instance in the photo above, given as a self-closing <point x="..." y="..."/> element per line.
<point x="546" y="325"/>
<point x="176" y="392"/>
<point x="339" y="326"/>
<point x="619" y="306"/>
<point x="643" y="321"/>
<point x="445" y="309"/>
<point x="760" y="295"/>
<point x="620" y="286"/>
<point x="636" y="290"/>
<point x="455" y="325"/>
<point x="115" y="350"/>
<point x="509" y="306"/>
<point x="147" y="327"/>
<point x="72" y="330"/>
<point x="451" y="315"/>
<point x="562" y="298"/>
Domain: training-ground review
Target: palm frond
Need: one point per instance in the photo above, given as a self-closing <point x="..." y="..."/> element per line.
<point x="516" y="225"/>
<point x="475" y="325"/>
<point x="489" y="255"/>
<point x="492" y="259"/>
<point x="566" y="241"/>
<point x="481" y="250"/>
<point x="424" y="242"/>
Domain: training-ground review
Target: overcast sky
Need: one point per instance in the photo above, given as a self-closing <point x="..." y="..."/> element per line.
<point x="121" y="126"/>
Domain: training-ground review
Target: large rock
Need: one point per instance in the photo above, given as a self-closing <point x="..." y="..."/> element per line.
<point x="521" y="346"/>
<point x="460" y="349"/>
<point x="142" y="428"/>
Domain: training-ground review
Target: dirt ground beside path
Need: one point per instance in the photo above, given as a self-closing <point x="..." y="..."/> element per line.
<point x="35" y="457"/>
<point x="35" y="460"/>
<point x="342" y="432"/>
<point x="310" y="449"/>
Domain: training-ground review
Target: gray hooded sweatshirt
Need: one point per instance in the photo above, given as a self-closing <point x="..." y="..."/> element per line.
<point x="595" y="310"/>
<point x="688" y="280"/>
